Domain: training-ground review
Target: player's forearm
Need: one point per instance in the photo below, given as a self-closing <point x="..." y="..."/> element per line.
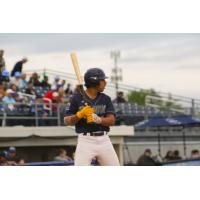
<point x="108" y="121"/>
<point x="71" y="120"/>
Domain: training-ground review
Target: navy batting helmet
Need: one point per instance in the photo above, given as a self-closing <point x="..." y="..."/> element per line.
<point x="93" y="76"/>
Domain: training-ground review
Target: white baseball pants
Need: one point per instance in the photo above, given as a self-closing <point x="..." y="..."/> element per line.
<point x="99" y="147"/>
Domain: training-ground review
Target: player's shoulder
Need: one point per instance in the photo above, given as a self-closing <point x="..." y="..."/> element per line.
<point x="105" y="96"/>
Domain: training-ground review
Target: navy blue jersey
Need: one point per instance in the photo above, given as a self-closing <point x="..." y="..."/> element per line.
<point x="102" y="105"/>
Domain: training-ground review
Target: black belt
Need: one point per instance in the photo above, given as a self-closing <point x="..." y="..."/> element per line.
<point x="100" y="133"/>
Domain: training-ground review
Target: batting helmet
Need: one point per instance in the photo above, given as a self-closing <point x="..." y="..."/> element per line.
<point x="93" y="76"/>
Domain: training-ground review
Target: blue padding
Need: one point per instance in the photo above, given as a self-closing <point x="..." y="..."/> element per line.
<point x="51" y="163"/>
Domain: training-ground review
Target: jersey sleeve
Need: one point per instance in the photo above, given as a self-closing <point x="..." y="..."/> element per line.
<point x="73" y="107"/>
<point x="109" y="107"/>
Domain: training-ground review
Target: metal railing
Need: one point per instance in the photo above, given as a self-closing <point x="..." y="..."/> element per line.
<point x="183" y="100"/>
<point x="37" y="113"/>
<point x="51" y="114"/>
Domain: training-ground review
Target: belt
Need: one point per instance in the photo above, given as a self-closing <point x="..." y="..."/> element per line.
<point x="99" y="133"/>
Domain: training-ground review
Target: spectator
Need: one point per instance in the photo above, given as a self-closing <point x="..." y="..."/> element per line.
<point x="4" y="78"/>
<point x="16" y="79"/>
<point x="34" y="79"/>
<point x="146" y="159"/>
<point x="68" y="90"/>
<point x="21" y="162"/>
<point x="120" y="98"/>
<point x="18" y="66"/>
<point x="195" y="154"/>
<point x="23" y="82"/>
<point x="12" y="157"/>
<point x="62" y="84"/>
<point x="3" y="161"/>
<point x="45" y="83"/>
<point x="169" y="156"/>
<point x="30" y="89"/>
<point x="62" y="156"/>
<point x="176" y="155"/>
<point x="2" y="61"/>
<point x="56" y="82"/>
<point x="8" y="99"/>
<point x="2" y="91"/>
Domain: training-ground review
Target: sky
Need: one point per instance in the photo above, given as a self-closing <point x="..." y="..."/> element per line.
<point x="165" y="62"/>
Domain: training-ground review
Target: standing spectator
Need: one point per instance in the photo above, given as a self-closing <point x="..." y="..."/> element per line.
<point x="56" y="82"/>
<point x="18" y="66"/>
<point x="145" y="159"/>
<point x="2" y="61"/>
<point x="120" y="98"/>
<point x="62" y="156"/>
<point x="68" y="90"/>
<point x="23" y="82"/>
<point x="45" y="82"/>
<point x="4" y="78"/>
<point x="195" y="154"/>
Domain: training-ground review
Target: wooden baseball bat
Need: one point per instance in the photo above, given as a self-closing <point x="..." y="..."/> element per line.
<point x="80" y="81"/>
<point x="76" y="68"/>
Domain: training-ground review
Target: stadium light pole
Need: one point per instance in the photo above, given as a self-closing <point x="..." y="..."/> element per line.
<point x="115" y="55"/>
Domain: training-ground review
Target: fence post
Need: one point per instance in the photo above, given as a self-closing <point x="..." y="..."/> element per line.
<point x="193" y="107"/>
<point x="58" y="114"/>
<point x="36" y="115"/>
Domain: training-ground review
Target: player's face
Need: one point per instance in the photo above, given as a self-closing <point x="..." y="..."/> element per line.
<point x="102" y="85"/>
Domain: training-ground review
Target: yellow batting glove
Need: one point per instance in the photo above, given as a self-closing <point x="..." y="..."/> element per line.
<point x="84" y="112"/>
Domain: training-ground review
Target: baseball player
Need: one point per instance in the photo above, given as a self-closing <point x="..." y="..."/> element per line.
<point x="93" y="139"/>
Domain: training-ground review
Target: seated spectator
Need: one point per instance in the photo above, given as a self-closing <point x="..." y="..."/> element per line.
<point x="45" y="83"/>
<point x="23" y="82"/>
<point x="16" y="79"/>
<point x="62" y="156"/>
<point x="34" y="79"/>
<point x="146" y="159"/>
<point x="18" y="66"/>
<point x="31" y="90"/>
<point x="21" y="162"/>
<point x="3" y="161"/>
<point x="2" y="92"/>
<point x="120" y="98"/>
<point x="14" y="88"/>
<point x="12" y="157"/>
<point x="169" y="156"/>
<point x="195" y="154"/>
<point x="8" y="99"/>
<point x="176" y="155"/>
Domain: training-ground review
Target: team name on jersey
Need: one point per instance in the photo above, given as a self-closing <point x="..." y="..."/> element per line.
<point x="99" y="109"/>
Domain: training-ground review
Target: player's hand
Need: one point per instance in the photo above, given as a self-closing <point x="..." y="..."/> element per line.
<point x="96" y="118"/>
<point x="85" y="112"/>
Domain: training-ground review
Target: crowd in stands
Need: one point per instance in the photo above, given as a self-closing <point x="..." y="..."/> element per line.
<point x="147" y="159"/>
<point x="16" y="88"/>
